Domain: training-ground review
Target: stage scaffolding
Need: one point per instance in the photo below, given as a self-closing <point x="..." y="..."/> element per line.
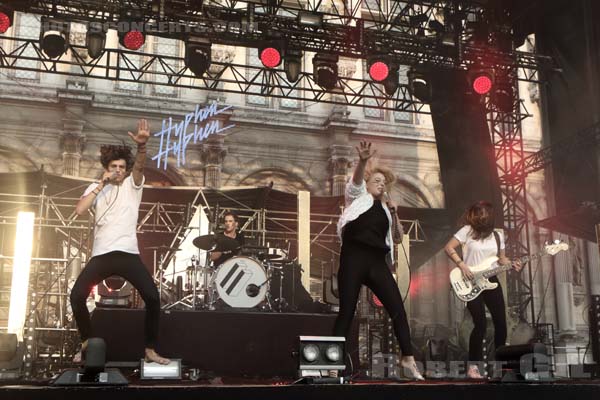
<point x="62" y="244"/>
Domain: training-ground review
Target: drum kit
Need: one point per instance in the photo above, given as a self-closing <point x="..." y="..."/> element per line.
<point x="241" y="282"/>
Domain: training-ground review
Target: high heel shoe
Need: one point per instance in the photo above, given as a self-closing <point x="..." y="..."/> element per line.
<point x="411" y="370"/>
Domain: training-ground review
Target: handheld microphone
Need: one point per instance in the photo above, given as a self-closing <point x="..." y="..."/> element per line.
<point x="107" y="179"/>
<point x="387" y="200"/>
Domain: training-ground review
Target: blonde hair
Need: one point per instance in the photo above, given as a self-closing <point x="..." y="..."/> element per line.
<point x="389" y="176"/>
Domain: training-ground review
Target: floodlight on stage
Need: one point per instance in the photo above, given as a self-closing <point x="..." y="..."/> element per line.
<point x="19" y="289"/>
<point x="418" y="85"/>
<point x="292" y="65"/>
<point x="7" y="16"/>
<point x="54" y="37"/>
<point x="503" y="96"/>
<point x="325" y="70"/>
<point x="95" y="39"/>
<point x="11" y="356"/>
<point x="152" y="370"/>
<point x="320" y="354"/>
<point x="310" y="18"/>
<point x="198" y="55"/>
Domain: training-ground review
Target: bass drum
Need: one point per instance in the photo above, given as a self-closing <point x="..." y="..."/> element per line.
<point x="241" y="282"/>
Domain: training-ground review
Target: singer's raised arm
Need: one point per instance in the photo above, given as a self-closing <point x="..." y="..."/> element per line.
<point x="141" y="138"/>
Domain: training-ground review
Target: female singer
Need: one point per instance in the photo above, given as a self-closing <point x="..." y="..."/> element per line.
<point x="368" y="228"/>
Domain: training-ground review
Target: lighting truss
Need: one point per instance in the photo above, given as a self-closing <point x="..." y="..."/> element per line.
<point x="350" y="29"/>
<point x="117" y="65"/>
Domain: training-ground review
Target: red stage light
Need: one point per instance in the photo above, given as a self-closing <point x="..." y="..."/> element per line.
<point x="376" y="301"/>
<point x="482" y="84"/>
<point x="379" y="71"/>
<point x="270" y="57"/>
<point x="5" y="22"/>
<point x="133" y="40"/>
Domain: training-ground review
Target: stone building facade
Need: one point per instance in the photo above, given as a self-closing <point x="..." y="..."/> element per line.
<point x="59" y="123"/>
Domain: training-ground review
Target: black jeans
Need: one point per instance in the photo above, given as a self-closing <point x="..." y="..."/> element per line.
<point x="366" y="265"/>
<point x="494" y="301"/>
<point x="128" y="266"/>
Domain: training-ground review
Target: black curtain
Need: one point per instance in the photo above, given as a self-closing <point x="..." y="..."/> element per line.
<point x="465" y="149"/>
<point x="569" y="31"/>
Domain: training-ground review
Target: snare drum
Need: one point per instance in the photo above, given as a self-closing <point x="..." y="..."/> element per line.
<point x="241" y="282"/>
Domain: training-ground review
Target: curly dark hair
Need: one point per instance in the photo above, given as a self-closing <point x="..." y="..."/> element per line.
<point x="481" y="218"/>
<point x="111" y="152"/>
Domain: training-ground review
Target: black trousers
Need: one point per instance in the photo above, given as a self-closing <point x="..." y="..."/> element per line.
<point x="366" y="265"/>
<point x="128" y="266"/>
<point x="494" y="301"/>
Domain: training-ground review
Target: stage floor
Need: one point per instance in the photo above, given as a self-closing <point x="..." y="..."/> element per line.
<point x="276" y="390"/>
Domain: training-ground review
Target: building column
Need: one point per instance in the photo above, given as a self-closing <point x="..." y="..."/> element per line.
<point x="593" y="250"/>
<point x="213" y="154"/>
<point x="564" y="294"/>
<point x="340" y="161"/>
<point x="72" y="140"/>
<point x="76" y="100"/>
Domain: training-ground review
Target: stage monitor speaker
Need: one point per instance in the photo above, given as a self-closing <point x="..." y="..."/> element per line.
<point x="93" y="372"/>
<point x="524" y="362"/>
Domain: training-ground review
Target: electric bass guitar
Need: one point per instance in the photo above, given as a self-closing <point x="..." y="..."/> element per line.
<point x="468" y="289"/>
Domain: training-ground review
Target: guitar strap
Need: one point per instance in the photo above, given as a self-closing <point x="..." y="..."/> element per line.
<point x="497" y="237"/>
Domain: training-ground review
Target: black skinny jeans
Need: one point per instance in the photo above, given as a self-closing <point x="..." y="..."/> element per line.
<point x="494" y="301"/>
<point x="128" y="266"/>
<point x="360" y="264"/>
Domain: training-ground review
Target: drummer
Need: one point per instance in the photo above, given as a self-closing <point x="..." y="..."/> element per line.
<point x="220" y="255"/>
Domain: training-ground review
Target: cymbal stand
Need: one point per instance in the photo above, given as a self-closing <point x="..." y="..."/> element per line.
<point x="159" y="273"/>
<point x="282" y="302"/>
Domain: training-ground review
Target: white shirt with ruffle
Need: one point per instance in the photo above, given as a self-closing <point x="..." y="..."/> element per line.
<point x="358" y="201"/>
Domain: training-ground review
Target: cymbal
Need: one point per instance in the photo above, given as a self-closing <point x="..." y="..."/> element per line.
<point x="205" y="242"/>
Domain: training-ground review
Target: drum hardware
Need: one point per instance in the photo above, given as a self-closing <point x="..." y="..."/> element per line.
<point x="192" y="285"/>
<point x="159" y="266"/>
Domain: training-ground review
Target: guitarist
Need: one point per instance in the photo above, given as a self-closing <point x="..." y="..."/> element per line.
<point x="479" y="241"/>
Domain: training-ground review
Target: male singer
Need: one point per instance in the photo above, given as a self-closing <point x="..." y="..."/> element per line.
<point x="116" y="201"/>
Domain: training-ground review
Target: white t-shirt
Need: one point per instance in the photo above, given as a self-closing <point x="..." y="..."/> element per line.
<point x="116" y="211"/>
<point x="475" y="251"/>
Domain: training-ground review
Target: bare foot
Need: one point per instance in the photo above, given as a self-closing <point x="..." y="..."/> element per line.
<point x="152" y="356"/>
<point x="410" y="366"/>
<point x="78" y="357"/>
<point x="473" y="372"/>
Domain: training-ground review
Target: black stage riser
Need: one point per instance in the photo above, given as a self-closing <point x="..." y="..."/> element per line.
<point x="432" y="391"/>
<point x="229" y="344"/>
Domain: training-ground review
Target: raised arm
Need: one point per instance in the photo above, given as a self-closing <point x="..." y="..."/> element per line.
<point x="364" y="153"/>
<point x="141" y="138"/>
